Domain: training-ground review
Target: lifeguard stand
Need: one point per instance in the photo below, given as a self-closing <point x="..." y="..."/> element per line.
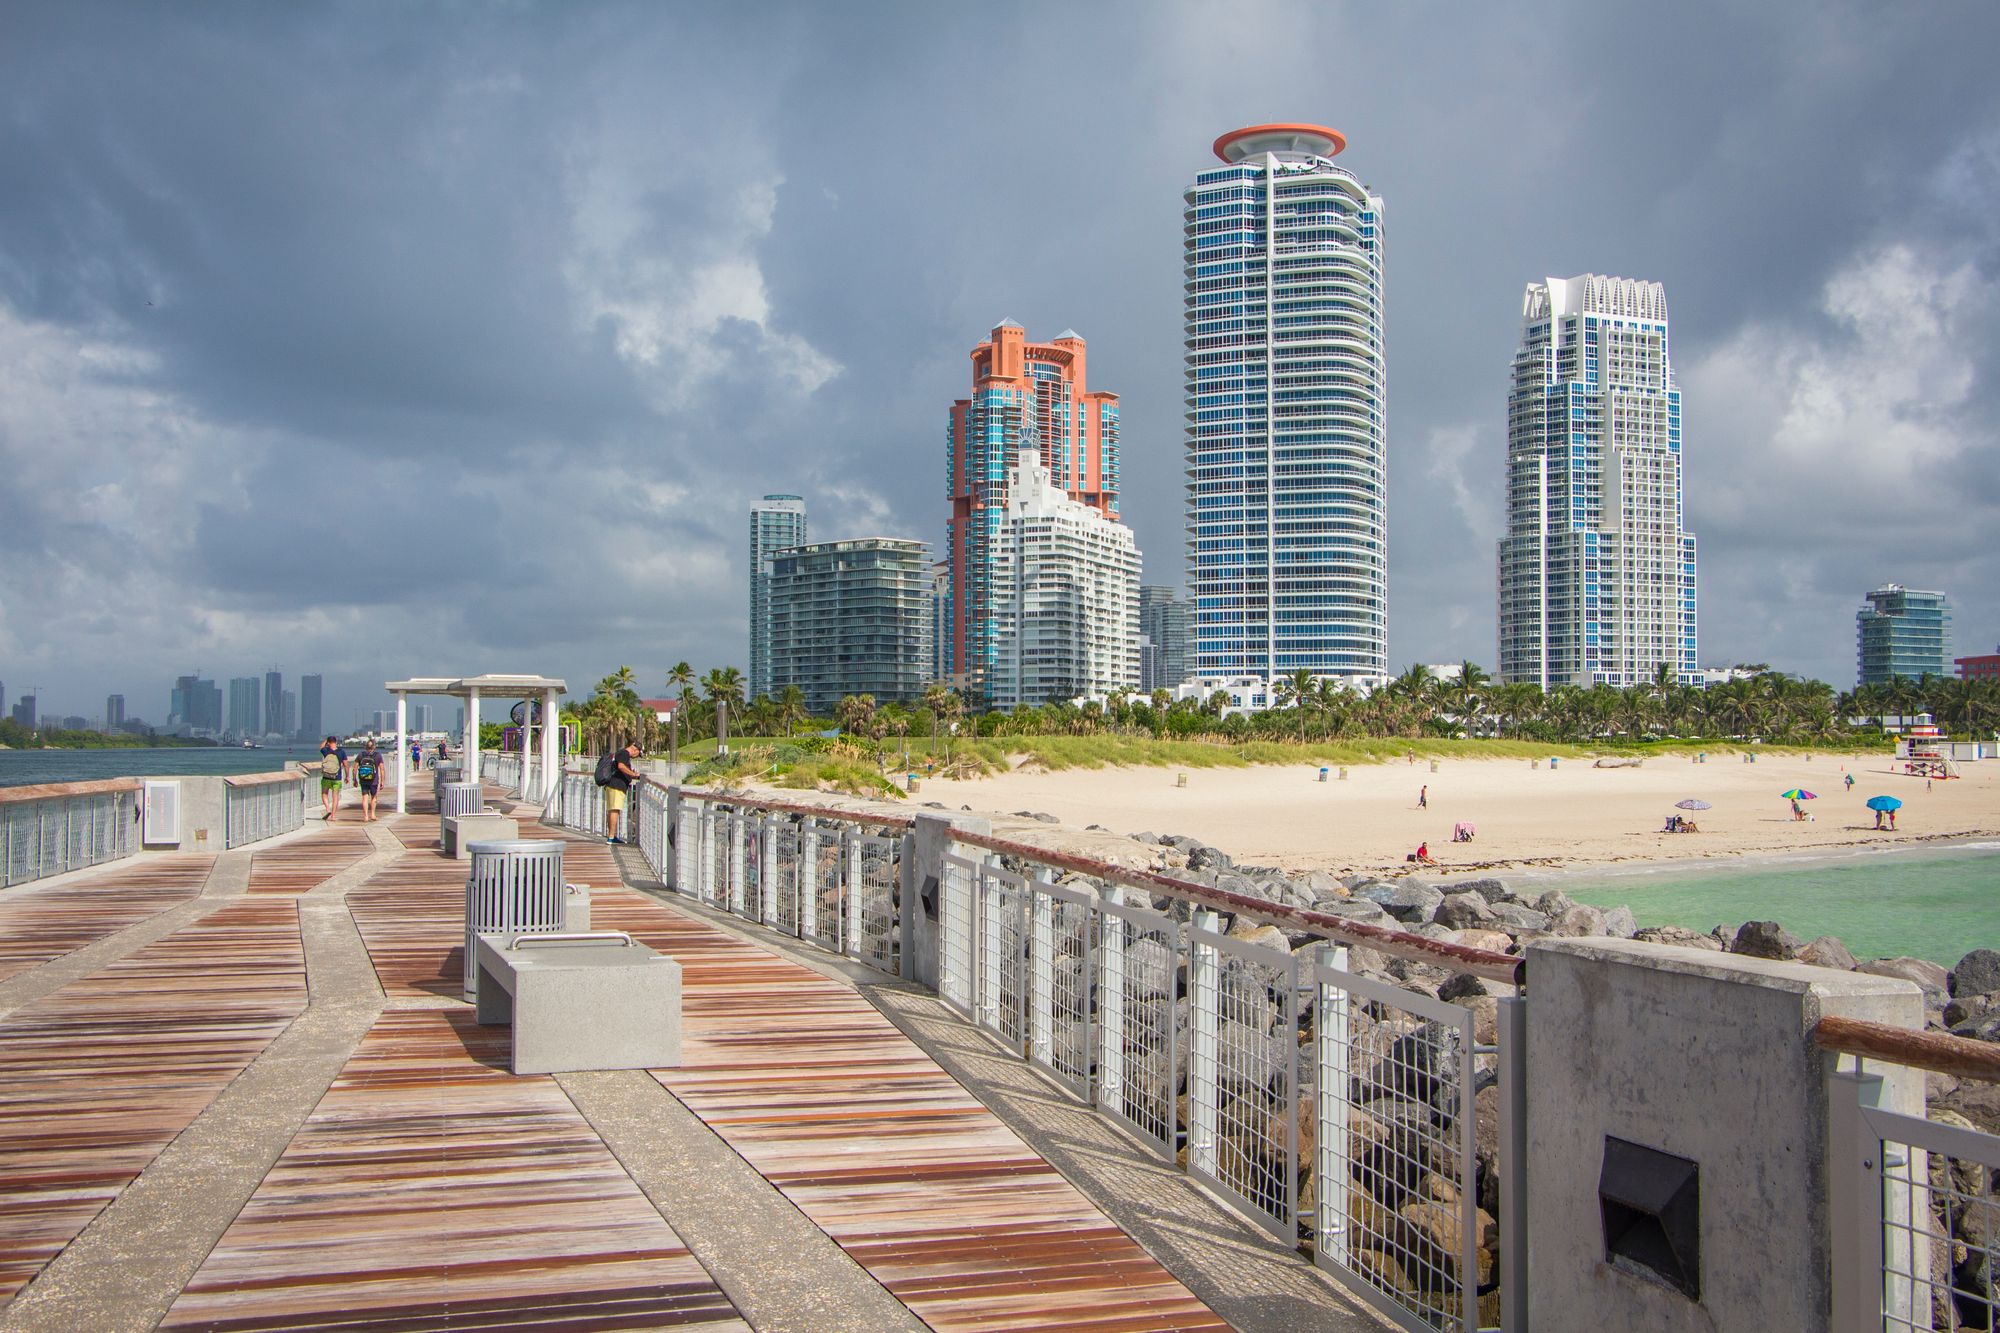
<point x="1922" y="753"/>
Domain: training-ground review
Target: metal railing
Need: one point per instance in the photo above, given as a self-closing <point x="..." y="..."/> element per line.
<point x="1915" y="1214"/>
<point x="1333" y="1109"/>
<point x="263" y="805"/>
<point x="507" y="770"/>
<point x="51" y="829"/>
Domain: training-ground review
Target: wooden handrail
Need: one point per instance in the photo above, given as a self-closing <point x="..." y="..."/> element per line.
<point x="1397" y="943"/>
<point x="1939" y="1052"/>
<point x="56" y="791"/>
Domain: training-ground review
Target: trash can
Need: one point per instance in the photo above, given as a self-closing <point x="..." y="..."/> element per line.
<point x="1322" y="775"/>
<point x="514" y="886"/>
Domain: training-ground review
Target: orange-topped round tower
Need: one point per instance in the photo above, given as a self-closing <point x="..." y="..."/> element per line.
<point x="1252" y="139"/>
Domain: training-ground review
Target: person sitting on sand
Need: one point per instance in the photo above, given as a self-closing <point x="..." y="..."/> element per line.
<point x="1422" y="856"/>
<point x="1798" y="811"/>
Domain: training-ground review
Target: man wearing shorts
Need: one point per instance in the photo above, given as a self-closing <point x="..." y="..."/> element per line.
<point x="618" y="787"/>
<point x="332" y="765"/>
<point x="368" y="776"/>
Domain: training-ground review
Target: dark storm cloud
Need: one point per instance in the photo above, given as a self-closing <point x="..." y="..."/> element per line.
<point x="473" y="332"/>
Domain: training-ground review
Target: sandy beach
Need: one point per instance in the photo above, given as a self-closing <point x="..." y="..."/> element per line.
<point x="1569" y="816"/>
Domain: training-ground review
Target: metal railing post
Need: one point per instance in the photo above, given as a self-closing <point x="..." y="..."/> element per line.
<point x="850" y="877"/>
<point x="1512" y="1262"/>
<point x="1204" y="1045"/>
<point x="739" y="857"/>
<point x="1854" y="1204"/>
<point x="807" y="878"/>
<point x="767" y="865"/>
<point x="1111" y="1004"/>
<point x="1332" y="1035"/>
<point x="1042" y="976"/>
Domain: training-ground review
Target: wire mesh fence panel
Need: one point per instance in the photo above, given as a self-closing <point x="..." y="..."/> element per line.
<point x="687" y="849"/>
<point x="715" y="889"/>
<point x="782" y="890"/>
<point x="1242" y="1076"/>
<point x="873" y="869"/>
<point x="652" y="802"/>
<point x="1141" y="1057"/>
<point x="1001" y="958"/>
<point x="957" y="940"/>
<point x="1063" y="922"/>
<point x="822" y="895"/>
<point x="1395" y="1173"/>
<point x="1926" y="1241"/>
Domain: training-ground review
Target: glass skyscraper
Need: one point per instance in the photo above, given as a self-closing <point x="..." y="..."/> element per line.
<point x="1025" y="396"/>
<point x="1596" y="570"/>
<point x="1902" y="633"/>
<point x="776" y="523"/>
<point x="851" y="617"/>
<point x="1287" y="406"/>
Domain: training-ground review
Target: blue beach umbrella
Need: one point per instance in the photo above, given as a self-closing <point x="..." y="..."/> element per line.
<point x="1884" y="803"/>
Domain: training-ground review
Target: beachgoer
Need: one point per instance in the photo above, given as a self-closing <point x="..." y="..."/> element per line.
<point x="368" y="776"/>
<point x="1424" y="797"/>
<point x="1850" y="782"/>
<point x="416" y="754"/>
<point x="1424" y="852"/>
<point x="1798" y="811"/>
<point x="616" y="775"/>
<point x="332" y="764"/>
<point x="444" y="754"/>
<point x="1892" y="821"/>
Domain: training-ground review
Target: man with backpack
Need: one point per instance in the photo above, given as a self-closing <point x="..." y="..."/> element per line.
<point x="332" y="767"/>
<point x="368" y="776"/>
<point x="616" y="775"/>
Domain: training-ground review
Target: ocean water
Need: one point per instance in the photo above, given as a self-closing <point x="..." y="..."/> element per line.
<point x="21" y="767"/>
<point x="1928" y="903"/>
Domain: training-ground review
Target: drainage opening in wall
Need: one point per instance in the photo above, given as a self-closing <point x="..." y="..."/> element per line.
<point x="1651" y="1206"/>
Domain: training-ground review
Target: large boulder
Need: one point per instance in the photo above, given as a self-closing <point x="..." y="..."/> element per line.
<point x="1765" y="939"/>
<point x="1554" y="903"/>
<point x="1578" y="919"/>
<point x="1202" y="857"/>
<point x="1499" y="941"/>
<point x="1514" y="918"/>
<point x="1463" y="911"/>
<point x="1408" y="900"/>
<point x="1978" y="973"/>
<point x="1965" y="1008"/>
<point x="1935" y="981"/>
<point x="1256" y="932"/>
<point x="1983" y="1027"/>
<point x="1619" y="922"/>
<point x="1826" y="951"/>
<point x="1361" y="910"/>
<point x="1678" y="936"/>
<point x="1322" y="885"/>
<point x="1492" y="890"/>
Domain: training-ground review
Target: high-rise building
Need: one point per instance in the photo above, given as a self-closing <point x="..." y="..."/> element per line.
<point x="288" y="714"/>
<point x="274" y="698"/>
<point x="244" y="718"/>
<point x="777" y="522"/>
<point x="75" y="722"/>
<point x="1167" y="632"/>
<point x="196" y="704"/>
<point x="940" y="616"/>
<point x="1065" y="595"/>
<point x="311" y="708"/>
<point x="1982" y="666"/>
<point x="1025" y="396"/>
<point x="1287" y="405"/>
<point x="24" y="711"/>
<point x="114" y="711"/>
<point x="1597" y="569"/>
<point x="851" y="617"/>
<point x="1903" y="633"/>
<point x="3" y="695"/>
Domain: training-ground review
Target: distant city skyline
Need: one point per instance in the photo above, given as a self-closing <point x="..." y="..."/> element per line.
<point x="573" y="360"/>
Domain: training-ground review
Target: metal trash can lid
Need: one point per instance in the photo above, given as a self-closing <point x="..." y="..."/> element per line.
<point x="501" y="847"/>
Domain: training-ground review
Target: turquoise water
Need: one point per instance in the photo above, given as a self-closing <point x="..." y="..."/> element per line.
<point x="22" y="767"/>
<point x="1930" y="904"/>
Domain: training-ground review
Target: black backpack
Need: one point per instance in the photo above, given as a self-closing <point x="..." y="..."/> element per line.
<point x="607" y="768"/>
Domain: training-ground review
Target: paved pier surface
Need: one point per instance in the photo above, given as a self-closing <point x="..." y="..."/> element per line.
<point x="240" y="1091"/>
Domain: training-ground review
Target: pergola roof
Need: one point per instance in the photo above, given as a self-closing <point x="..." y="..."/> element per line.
<point x="491" y="685"/>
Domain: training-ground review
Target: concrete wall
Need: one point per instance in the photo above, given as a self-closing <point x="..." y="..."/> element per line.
<point x="1706" y="1056"/>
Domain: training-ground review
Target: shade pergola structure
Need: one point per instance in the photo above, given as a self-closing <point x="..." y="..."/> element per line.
<point x="544" y="690"/>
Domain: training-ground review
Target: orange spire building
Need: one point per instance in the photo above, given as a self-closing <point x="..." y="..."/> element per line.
<point x="1025" y="396"/>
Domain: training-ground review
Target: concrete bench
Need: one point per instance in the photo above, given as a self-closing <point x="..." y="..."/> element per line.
<point x="589" y="1000"/>
<point x="461" y="831"/>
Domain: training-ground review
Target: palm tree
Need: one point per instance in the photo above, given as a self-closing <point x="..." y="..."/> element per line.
<point x="724" y="686"/>
<point x="1296" y="690"/>
<point x="857" y="714"/>
<point x="791" y="707"/>
<point x="934" y="694"/>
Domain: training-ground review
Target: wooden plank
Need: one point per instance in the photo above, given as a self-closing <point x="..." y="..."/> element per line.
<point x="98" y="1077"/>
<point x="431" y="1188"/>
<point x="310" y="860"/>
<point x="40" y="923"/>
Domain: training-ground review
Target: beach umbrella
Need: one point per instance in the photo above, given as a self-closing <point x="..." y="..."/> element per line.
<point x="1884" y="803"/>
<point x="1691" y="805"/>
<point x="1797" y="794"/>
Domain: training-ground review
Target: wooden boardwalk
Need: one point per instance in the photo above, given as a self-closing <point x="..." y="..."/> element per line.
<point x="429" y="1188"/>
<point x="48" y="923"/>
<point x="98" y="1077"/>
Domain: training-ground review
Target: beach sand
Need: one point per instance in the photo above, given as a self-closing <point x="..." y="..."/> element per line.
<point x="1573" y="815"/>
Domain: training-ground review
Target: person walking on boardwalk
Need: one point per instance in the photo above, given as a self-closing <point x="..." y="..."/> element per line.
<point x="368" y="776"/>
<point x="332" y="767"/>
<point x="616" y="775"/>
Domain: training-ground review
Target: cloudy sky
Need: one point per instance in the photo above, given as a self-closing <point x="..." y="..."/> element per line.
<point x="453" y="338"/>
